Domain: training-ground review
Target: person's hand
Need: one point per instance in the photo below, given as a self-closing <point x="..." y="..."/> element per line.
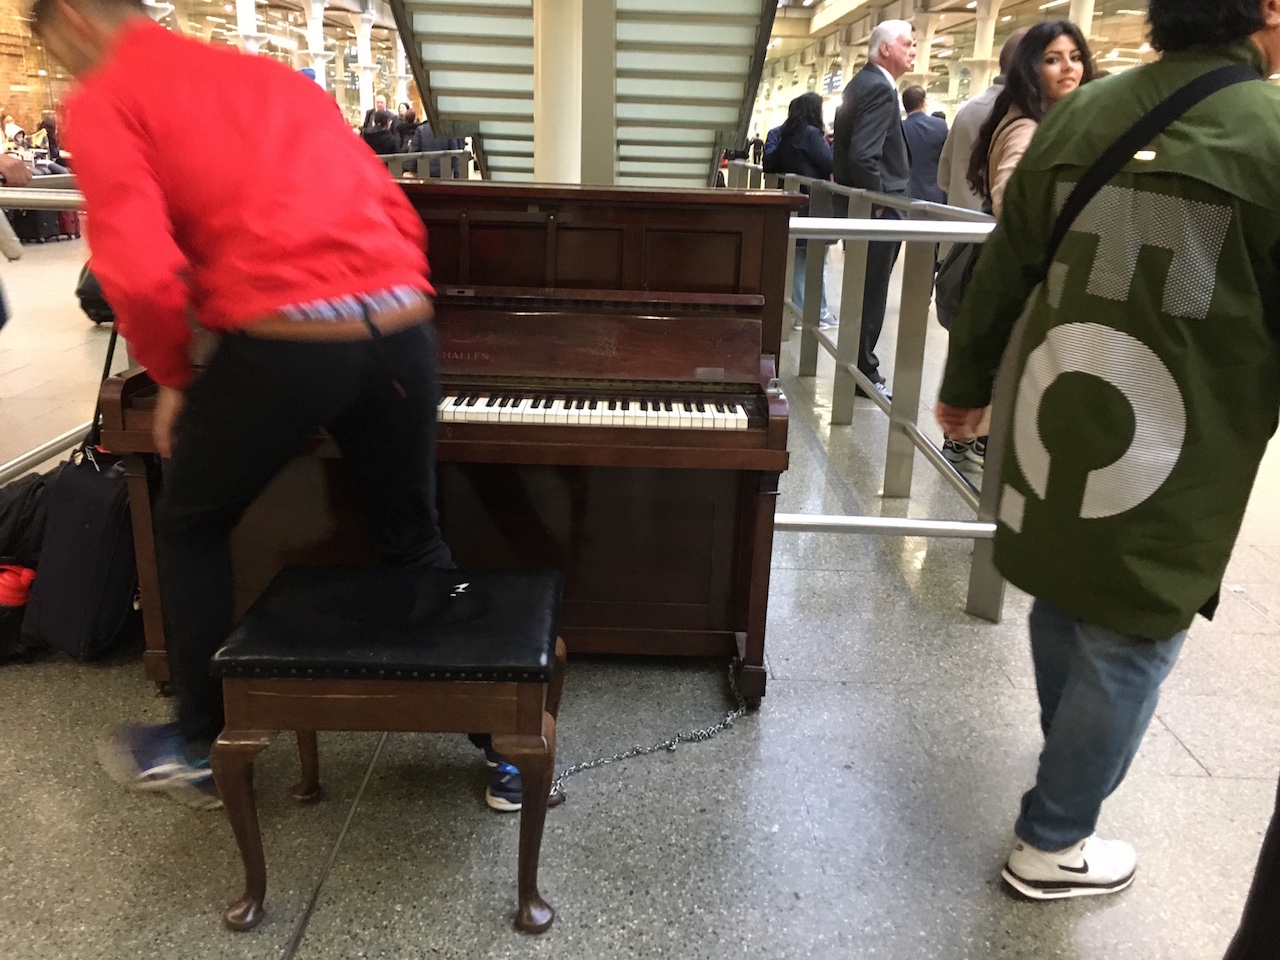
<point x="14" y="171"/>
<point x="958" y="423"/>
<point x="168" y="409"/>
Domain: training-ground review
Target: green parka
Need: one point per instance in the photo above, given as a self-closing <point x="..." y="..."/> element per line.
<point x="1148" y="374"/>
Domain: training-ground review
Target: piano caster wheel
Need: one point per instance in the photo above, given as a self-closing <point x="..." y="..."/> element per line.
<point x="753" y="703"/>
<point x="164" y="688"/>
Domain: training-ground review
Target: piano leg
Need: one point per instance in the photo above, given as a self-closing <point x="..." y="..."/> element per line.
<point x="760" y="499"/>
<point x="141" y="472"/>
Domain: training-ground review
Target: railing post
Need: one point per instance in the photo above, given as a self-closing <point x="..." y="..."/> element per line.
<point x="849" y="333"/>
<point x="789" y="315"/>
<point x="756" y="181"/>
<point x="908" y="366"/>
<point x="815" y="264"/>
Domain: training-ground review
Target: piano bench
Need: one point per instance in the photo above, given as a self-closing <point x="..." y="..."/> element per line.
<point x="392" y="649"/>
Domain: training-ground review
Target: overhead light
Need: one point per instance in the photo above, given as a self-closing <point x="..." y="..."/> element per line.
<point x="1006" y="18"/>
<point x="971" y="5"/>
<point x="1053" y="3"/>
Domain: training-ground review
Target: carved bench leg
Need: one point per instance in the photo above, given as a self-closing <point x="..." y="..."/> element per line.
<point x="535" y="758"/>
<point x="232" y="759"/>
<point x="556" y="686"/>
<point x="307" y="789"/>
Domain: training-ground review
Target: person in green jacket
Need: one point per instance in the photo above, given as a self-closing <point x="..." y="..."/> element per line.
<point x="1145" y="369"/>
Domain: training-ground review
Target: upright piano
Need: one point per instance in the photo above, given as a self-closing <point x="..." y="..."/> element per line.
<point x="610" y="407"/>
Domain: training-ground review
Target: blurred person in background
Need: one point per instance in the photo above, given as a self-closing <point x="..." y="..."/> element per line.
<point x="1145" y="391"/>
<point x="380" y="135"/>
<point x="926" y="136"/>
<point x="953" y="165"/>
<point x="801" y="148"/>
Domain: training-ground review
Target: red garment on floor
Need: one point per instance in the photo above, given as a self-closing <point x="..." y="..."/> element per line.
<point x="15" y="585"/>
<point x="227" y="184"/>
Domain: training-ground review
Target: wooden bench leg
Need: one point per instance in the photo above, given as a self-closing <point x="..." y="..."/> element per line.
<point x="535" y="758"/>
<point x="232" y="759"/>
<point x="556" y="686"/>
<point x="307" y="789"/>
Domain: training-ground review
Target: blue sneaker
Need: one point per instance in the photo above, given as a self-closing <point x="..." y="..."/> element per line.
<point x="152" y="759"/>
<point x="504" y="792"/>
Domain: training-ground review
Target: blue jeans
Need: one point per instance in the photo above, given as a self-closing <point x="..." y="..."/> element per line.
<point x="797" y="283"/>
<point x="1098" y="691"/>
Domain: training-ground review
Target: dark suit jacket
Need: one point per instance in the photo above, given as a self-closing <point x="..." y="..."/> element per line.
<point x="926" y="136"/>
<point x="870" y="148"/>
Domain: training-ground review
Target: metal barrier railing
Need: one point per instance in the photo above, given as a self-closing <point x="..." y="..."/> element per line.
<point x="927" y="225"/>
<point x="448" y="165"/>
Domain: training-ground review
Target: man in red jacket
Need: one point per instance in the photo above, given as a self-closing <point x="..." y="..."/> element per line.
<point x="271" y="224"/>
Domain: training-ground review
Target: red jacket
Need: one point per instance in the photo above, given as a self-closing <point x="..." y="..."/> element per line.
<point x="226" y="185"/>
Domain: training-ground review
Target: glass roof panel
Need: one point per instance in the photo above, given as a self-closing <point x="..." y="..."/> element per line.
<point x="738" y="8"/>
<point x="680" y="89"/>
<point x="660" y="134"/>
<point x="727" y="116"/>
<point x="443" y="81"/>
<point x="685" y="34"/>
<point x="684" y="63"/>
<point x="475" y="55"/>
<point x="485" y="106"/>
<point x="683" y="151"/>
<point x="462" y="25"/>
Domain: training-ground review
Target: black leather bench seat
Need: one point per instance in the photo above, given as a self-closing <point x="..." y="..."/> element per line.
<point x="398" y="623"/>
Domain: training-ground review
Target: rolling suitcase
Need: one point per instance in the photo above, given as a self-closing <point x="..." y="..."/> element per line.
<point x="35" y="226"/>
<point x="68" y="223"/>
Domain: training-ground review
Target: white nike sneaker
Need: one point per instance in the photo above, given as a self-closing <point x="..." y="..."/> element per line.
<point x="1089" y="868"/>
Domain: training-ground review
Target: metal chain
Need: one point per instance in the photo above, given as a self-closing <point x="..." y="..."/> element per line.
<point x="690" y="736"/>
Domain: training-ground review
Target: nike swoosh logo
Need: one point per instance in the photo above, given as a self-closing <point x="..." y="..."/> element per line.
<point x="1080" y="870"/>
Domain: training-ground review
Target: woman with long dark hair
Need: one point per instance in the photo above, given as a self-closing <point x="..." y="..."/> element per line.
<point x="802" y="149"/>
<point x="1052" y="60"/>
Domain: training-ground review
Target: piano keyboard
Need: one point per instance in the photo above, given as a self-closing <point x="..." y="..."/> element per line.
<point x="592" y="412"/>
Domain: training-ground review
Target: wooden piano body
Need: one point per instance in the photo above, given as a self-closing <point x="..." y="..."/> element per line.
<point x="664" y="533"/>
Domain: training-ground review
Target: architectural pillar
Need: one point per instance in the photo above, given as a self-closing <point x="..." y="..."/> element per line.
<point x="980" y="64"/>
<point x="926" y="30"/>
<point x="364" y="59"/>
<point x="599" y="92"/>
<point x="247" y="26"/>
<point x="403" y="76"/>
<point x="557" y="91"/>
<point x="315" y="55"/>
<point x="1081" y="14"/>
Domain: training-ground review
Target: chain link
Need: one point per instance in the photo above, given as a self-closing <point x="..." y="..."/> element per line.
<point x="690" y="736"/>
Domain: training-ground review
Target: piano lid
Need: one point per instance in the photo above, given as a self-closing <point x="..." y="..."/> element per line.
<point x="548" y="241"/>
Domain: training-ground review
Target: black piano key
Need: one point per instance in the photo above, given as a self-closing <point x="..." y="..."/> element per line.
<point x="491" y="402"/>
<point x="700" y="408"/>
<point x="591" y="405"/>
<point x="669" y="407"/>
<point x="613" y="404"/>
<point x="471" y="400"/>
<point x="721" y="408"/>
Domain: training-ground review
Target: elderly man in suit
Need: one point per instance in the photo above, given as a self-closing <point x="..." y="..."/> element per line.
<point x="925" y="138"/>
<point x="871" y="153"/>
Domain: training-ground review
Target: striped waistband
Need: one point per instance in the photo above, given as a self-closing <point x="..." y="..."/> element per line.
<point x="352" y="306"/>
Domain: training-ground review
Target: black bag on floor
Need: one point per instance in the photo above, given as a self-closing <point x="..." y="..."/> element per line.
<point x="24" y="510"/>
<point x="83" y="601"/>
<point x="92" y="301"/>
<point x="36" y="226"/>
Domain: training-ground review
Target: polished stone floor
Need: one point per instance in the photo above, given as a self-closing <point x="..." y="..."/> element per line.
<point x="864" y="811"/>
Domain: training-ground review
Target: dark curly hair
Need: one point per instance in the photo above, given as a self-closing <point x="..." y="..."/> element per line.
<point x="1179" y="24"/>
<point x="1023" y="89"/>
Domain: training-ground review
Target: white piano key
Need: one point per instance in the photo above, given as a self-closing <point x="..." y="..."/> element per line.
<point x="631" y="416"/>
<point x="739" y="417"/>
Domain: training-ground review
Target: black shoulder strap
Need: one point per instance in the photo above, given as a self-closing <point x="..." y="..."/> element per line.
<point x="95" y="427"/>
<point x="1138" y="136"/>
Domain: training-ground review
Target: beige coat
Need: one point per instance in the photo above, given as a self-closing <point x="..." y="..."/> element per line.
<point x="1010" y="142"/>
